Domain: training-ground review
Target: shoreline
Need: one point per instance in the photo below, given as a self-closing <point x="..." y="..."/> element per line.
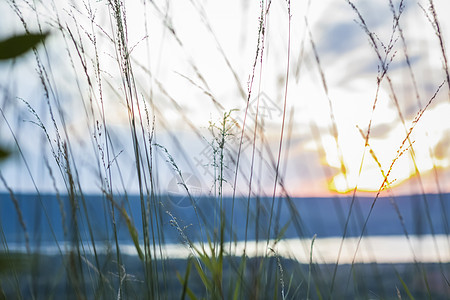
<point x="372" y="249"/>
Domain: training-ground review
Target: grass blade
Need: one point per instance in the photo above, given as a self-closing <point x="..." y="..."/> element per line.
<point x="18" y="45"/>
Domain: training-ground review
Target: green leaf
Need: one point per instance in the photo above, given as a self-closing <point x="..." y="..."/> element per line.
<point x="203" y="276"/>
<point x="405" y="286"/>
<point x="10" y="262"/>
<point x="4" y="153"/>
<point x="17" y="45"/>
<point x="240" y="276"/>
<point x="184" y="282"/>
<point x="131" y="228"/>
<point x="133" y="233"/>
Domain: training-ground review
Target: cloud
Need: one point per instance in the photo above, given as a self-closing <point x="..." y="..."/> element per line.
<point x="340" y="38"/>
<point x="442" y="148"/>
<point x="381" y="130"/>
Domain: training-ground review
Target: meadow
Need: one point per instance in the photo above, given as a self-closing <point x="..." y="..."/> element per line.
<point x="235" y="150"/>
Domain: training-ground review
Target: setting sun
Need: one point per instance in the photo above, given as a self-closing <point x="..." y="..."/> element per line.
<point x="391" y="154"/>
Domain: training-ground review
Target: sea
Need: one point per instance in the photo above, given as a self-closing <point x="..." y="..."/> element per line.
<point x="403" y="229"/>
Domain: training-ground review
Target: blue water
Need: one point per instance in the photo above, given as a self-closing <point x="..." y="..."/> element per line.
<point x="298" y="217"/>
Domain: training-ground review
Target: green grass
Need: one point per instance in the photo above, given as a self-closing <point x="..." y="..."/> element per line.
<point x="75" y="123"/>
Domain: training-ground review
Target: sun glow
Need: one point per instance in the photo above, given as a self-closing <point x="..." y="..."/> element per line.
<point x="392" y="159"/>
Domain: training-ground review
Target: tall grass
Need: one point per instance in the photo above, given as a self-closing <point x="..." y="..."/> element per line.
<point x="112" y="123"/>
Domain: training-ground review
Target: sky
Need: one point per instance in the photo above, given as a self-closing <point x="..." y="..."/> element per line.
<point x="193" y="61"/>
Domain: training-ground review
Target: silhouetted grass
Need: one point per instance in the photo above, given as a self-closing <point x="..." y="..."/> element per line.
<point x="109" y="247"/>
